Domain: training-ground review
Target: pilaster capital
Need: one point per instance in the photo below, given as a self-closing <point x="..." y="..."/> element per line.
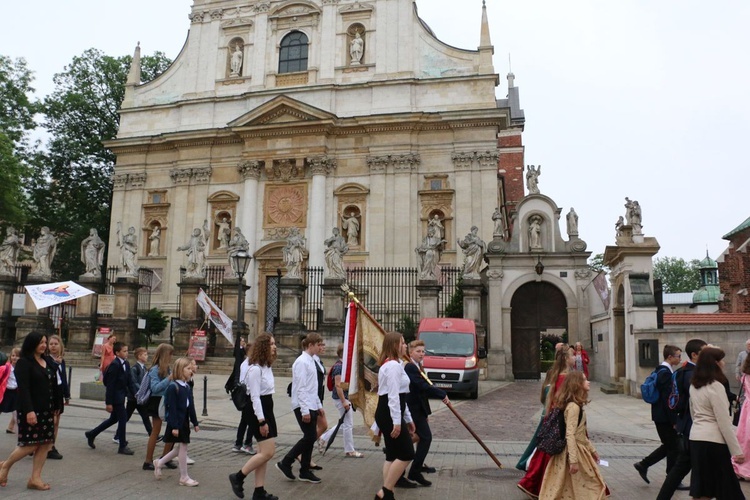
<point x="201" y="175"/>
<point x="321" y="165"/>
<point x="250" y="169"/>
<point x="137" y="180"/>
<point x="180" y="176"/>
<point x="119" y="181"/>
<point x="262" y="7"/>
<point x="495" y="275"/>
<point x="377" y="163"/>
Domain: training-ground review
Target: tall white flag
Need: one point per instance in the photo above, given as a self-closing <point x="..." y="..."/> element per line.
<point x="216" y="315"/>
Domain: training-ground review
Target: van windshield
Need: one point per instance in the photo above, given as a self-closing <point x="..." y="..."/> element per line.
<point x="448" y="344"/>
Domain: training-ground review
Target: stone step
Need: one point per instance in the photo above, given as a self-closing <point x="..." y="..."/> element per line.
<point x="616" y="388"/>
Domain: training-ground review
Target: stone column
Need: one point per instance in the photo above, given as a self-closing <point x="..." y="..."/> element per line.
<point x="82" y="326"/>
<point x="472" y="290"/>
<point x="189" y="312"/>
<point x="290" y="329"/>
<point x="250" y="171"/>
<point x="320" y="166"/>
<point x="333" y="308"/>
<point x="33" y="319"/>
<point x="428" y="290"/>
<point x="499" y="359"/>
<point x="124" y="321"/>
<point x="7" y="288"/>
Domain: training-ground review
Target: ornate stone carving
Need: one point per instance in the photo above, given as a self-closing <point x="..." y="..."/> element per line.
<point x="496" y="246"/>
<point x="276" y="233"/>
<point x="633" y="216"/>
<point x="136" y="181"/>
<point x="262" y="7"/>
<point x="9" y="249"/>
<point x="217" y="14"/>
<point x="356" y="48"/>
<point x="474" y="249"/>
<point x="180" y="175"/>
<point x="583" y="273"/>
<point x="429" y="254"/>
<point x="578" y="245"/>
<point x="196" y="252"/>
<point x="128" y="244"/>
<point x="92" y="254"/>
<point x="237" y="244"/>
<point x="43" y="252"/>
<point x="196" y="17"/>
<point x="494" y="274"/>
<point x="286" y="205"/>
<point x="235" y="60"/>
<point x="250" y="169"/>
<point x="488" y="159"/>
<point x="400" y="163"/>
<point x="572" y="222"/>
<point x="294" y="253"/>
<point x="119" y="181"/>
<point x="283" y="170"/>
<point x="532" y="178"/>
<point x="535" y="232"/>
<point x="462" y="160"/>
<point x="377" y="163"/>
<point x="499" y="224"/>
<point x="202" y="175"/>
<point x="334" y="253"/>
<point x="321" y="165"/>
<point x="330" y="2"/>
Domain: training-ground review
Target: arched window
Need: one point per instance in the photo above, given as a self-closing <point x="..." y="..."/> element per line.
<point x="293" y="53"/>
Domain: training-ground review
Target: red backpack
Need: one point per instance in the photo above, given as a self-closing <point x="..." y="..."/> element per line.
<point x="329" y="379"/>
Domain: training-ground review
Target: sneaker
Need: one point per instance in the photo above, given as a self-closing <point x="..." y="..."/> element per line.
<point x="420" y="480"/>
<point x="308" y="477"/>
<point x="237" y="449"/>
<point x="53" y="454"/>
<point x="237" y="486"/>
<point x="125" y="451"/>
<point x="248" y="449"/>
<point x="116" y="440"/>
<point x="264" y="496"/>
<point x="189" y="461"/>
<point x="403" y="482"/>
<point x="286" y="470"/>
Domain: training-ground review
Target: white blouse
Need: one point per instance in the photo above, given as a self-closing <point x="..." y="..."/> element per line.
<point x="12" y="383"/>
<point x="259" y="382"/>
<point x="393" y="380"/>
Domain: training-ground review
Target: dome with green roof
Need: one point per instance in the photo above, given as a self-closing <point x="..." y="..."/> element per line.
<point x="709" y="291"/>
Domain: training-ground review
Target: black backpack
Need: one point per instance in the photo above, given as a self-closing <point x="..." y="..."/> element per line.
<point x="551" y="437"/>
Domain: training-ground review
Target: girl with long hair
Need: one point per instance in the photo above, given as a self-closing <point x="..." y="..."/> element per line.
<point x="8" y="404"/>
<point x="574" y="473"/>
<point x="36" y="385"/>
<point x="56" y="351"/>
<point x="260" y="417"/>
<point x="159" y="380"/>
<point x="713" y="445"/>
<point x="392" y="414"/>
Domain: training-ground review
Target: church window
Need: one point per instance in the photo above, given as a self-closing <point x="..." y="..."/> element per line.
<point x="293" y="53"/>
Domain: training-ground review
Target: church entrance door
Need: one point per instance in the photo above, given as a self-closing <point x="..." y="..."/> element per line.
<point x="536" y="307"/>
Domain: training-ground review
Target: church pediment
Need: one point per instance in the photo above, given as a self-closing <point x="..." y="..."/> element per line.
<point x="282" y="110"/>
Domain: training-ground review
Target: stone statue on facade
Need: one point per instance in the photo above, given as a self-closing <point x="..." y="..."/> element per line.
<point x="474" y="249"/>
<point x="628" y="211"/>
<point x="635" y="218"/>
<point x="429" y="253"/>
<point x="294" y="253"/>
<point x="43" y="252"/>
<point x="357" y="49"/>
<point x="128" y="244"/>
<point x="618" y="225"/>
<point x="92" y="254"/>
<point x="224" y="233"/>
<point x="196" y="252"/>
<point x="351" y="226"/>
<point x="235" y="63"/>
<point x="334" y="253"/>
<point x="497" y="218"/>
<point x="9" y="249"/>
<point x="532" y="178"/>
<point x="572" y="220"/>
<point x="238" y="243"/>
<point x="535" y="233"/>
<point x="154" y="242"/>
<point x="438" y="225"/>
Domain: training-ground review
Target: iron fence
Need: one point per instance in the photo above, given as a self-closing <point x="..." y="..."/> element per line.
<point x="145" y="282"/>
<point x="22" y="272"/>
<point x="312" y="305"/>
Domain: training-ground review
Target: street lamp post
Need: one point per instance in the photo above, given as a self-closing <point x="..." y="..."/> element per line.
<point x="241" y="262"/>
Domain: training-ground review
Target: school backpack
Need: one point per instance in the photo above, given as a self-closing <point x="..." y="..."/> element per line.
<point x="551" y="436"/>
<point x="329" y="380"/>
<point x="675" y="401"/>
<point x="649" y="390"/>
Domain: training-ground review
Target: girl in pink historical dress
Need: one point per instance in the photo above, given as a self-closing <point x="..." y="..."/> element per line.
<point x="743" y="428"/>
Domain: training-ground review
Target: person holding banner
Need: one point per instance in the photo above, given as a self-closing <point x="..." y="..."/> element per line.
<point x="392" y="414"/>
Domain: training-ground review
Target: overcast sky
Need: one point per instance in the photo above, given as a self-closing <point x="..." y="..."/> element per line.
<point x="639" y="98"/>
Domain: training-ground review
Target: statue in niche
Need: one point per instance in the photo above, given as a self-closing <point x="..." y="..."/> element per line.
<point x="474" y="249"/>
<point x="535" y="233"/>
<point x="224" y="233"/>
<point x="294" y="253"/>
<point x="235" y="62"/>
<point x="497" y="218"/>
<point x="238" y="243"/>
<point x="429" y="253"/>
<point x="92" y="254"/>
<point x="356" y="48"/>
<point x="196" y="252"/>
<point x="438" y="225"/>
<point x="43" y="251"/>
<point x="154" y="241"/>
<point x="351" y="226"/>
<point x="9" y="249"/>
<point x="128" y="245"/>
<point x="618" y="225"/>
<point x="635" y="218"/>
<point x="532" y="178"/>
<point x="572" y="220"/>
<point x="334" y="253"/>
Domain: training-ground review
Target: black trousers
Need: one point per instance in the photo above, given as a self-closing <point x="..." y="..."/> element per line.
<point x="243" y="430"/>
<point x="679" y="471"/>
<point x="668" y="448"/>
<point x="423" y="446"/>
<point x="130" y="409"/>
<point x="304" y="446"/>
<point x="119" y="417"/>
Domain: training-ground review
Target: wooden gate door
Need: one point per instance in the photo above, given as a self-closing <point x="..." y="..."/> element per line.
<point x="535" y="307"/>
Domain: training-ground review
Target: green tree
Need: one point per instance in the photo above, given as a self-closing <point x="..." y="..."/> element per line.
<point x="75" y="171"/>
<point x="455" y="308"/>
<point x="677" y="275"/>
<point x="407" y="327"/>
<point x="596" y="262"/>
<point x="156" y="322"/>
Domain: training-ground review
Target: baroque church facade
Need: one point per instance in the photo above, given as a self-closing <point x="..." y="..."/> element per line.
<point x="314" y="115"/>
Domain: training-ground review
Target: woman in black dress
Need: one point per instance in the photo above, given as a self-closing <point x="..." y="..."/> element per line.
<point x="37" y="382"/>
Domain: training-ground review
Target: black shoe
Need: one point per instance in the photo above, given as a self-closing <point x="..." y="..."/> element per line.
<point x="308" y="477"/>
<point x="286" y="470"/>
<point x="315" y="467"/>
<point x="419" y="479"/>
<point x="426" y="469"/>
<point x="406" y="483"/>
<point x="170" y="465"/>
<point x="237" y="487"/>
<point x="683" y="487"/>
<point x="126" y="451"/>
<point x="148" y="466"/>
<point x="643" y="471"/>
<point x="264" y="496"/>
<point x="53" y="454"/>
<point x="90" y="440"/>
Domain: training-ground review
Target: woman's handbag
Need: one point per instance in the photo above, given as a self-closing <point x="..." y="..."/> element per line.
<point x="239" y="396"/>
<point x="738" y="404"/>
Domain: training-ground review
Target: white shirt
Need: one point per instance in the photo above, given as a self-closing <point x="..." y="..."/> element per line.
<point x="393" y="380"/>
<point x="244" y="367"/>
<point x="671" y="368"/>
<point x="184" y="384"/>
<point x="305" y="384"/>
<point x="259" y="382"/>
<point x="12" y="382"/>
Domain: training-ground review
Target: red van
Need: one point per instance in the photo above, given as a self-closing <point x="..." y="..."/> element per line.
<point x="451" y="354"/>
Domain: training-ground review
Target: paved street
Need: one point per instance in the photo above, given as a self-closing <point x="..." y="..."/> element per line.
<point x="504" y="416"/>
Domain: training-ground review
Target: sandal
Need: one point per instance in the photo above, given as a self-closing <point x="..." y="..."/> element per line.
<point x="354" y="454"/>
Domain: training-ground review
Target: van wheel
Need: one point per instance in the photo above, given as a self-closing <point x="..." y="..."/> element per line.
<point x="474" y="394"/>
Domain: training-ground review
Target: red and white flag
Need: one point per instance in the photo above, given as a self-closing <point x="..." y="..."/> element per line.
<point x="216" y="315"/>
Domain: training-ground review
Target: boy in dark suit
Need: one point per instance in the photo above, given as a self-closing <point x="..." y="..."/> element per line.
<point x="420" y="388"/>
<point x="137" y="372"/>
<point x="116" y="379"/>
